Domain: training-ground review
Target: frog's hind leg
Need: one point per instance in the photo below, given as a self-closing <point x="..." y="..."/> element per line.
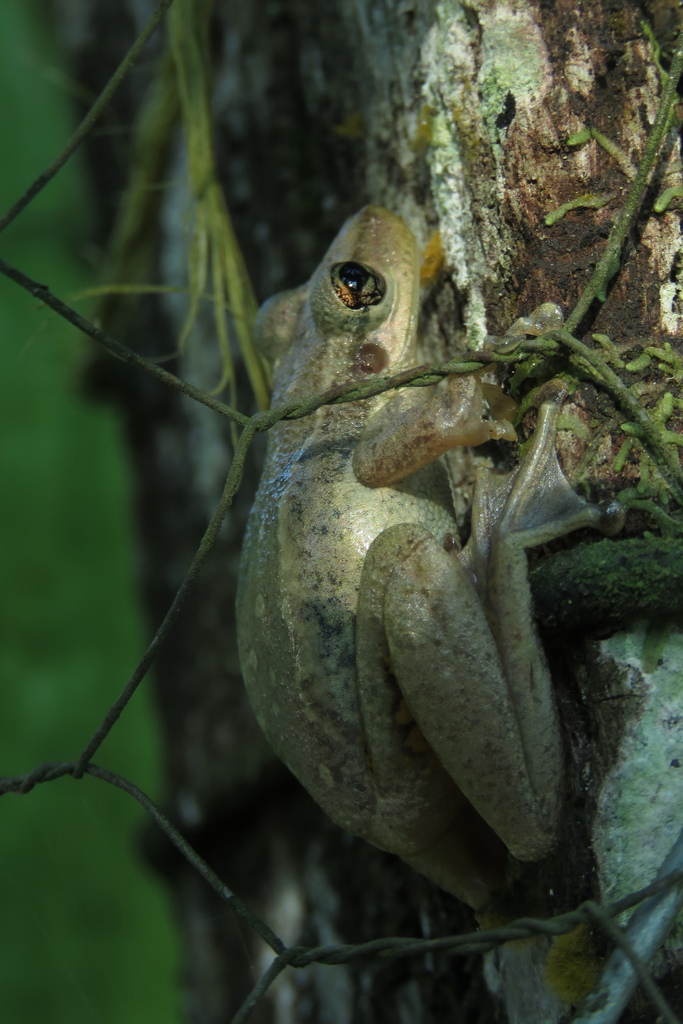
<point x="415" y="796"/>
<point x="469" y="860"/>
<point x="421" y="814"/>
<point x="533" y="505"/>
<point x="440" y="649"/>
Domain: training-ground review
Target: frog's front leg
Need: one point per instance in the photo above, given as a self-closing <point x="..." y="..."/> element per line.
<point x="417" y="425"/>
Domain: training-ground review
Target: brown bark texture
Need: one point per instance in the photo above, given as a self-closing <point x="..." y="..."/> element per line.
<point x="457" y="118"/>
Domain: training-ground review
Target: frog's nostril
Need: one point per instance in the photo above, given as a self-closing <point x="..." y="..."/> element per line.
<point x="371" y="358"/>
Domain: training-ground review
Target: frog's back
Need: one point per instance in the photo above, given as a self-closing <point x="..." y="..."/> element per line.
<point x="312" y="521"/>
<point x="308" y="535"/>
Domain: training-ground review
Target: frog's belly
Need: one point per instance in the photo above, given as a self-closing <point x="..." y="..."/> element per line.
<point x="296" y="625"/>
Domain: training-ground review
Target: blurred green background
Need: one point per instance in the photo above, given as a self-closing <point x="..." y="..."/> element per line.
<point x="86" y="933"/>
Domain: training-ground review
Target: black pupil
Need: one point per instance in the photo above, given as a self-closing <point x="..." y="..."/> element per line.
<point x="353" y="276"/>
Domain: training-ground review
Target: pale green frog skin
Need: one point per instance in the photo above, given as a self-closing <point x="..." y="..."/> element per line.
<point x="401" y="680"/>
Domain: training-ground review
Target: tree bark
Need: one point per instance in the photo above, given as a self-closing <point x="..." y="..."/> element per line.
<point x="457" y="118"/>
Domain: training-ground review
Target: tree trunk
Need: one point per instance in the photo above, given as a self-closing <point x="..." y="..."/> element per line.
<point x="457" y="118"/>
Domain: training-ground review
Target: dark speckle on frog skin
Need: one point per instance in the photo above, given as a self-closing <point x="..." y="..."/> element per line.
<point x="333" y="626"/>
<point x="330" y="446"/>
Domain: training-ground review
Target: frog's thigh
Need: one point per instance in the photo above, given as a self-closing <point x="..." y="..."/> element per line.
<point x="415" y="799"/>
<point x="446" y="664"/>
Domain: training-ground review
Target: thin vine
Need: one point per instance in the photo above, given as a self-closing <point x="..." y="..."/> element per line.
<point x="90" y="119"/>
<point x="608" y="264"/>
<point x="584" y="358"/>
<point x="390" y="947"/>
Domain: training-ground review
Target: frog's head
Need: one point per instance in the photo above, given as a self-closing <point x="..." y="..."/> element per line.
<point x="356" y="316"/>
<point x="364" y="295"/>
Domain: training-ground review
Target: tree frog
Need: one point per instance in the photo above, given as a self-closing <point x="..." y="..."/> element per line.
<point x="400" y="678"/>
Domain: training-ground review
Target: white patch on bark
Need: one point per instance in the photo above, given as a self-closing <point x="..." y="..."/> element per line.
<point x="640" y="806"/>
<point x="448" y="59"/>
<point x="578" y="67"/>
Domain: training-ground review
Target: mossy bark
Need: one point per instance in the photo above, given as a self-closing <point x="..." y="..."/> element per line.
<point x="458" y="118"/>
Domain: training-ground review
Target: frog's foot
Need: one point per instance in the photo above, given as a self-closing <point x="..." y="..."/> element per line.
<point x="541" y="504"/>
<point x="532" y="505"/>
<point x="469" y="861"/>
<point x="545" y="318"/>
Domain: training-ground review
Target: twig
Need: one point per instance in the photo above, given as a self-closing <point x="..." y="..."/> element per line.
<point x="608" y="264"/>
<point x="231" y="484"/>
<point x="193" y="858"/>
<point x="659" y="893"/>
<point x="665" y="457"/>
<point x="639" y="970"/>
<point x="260" y="988"/>
<point x="417" y="376"/>
<point x="462" y="945"/>
<point x="126" y="355"/>
<point x="47" y="772"/>
<point x="90" y="118"/>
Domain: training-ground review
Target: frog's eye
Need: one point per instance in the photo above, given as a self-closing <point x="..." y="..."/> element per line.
<point x="356" y="285"/>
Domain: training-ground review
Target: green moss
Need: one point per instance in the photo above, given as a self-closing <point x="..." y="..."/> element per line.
<point x="641" y="363"/>
<point x="573" y="964"/>
<point x="587" y="201"/>
<point x="606" y="582"/>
